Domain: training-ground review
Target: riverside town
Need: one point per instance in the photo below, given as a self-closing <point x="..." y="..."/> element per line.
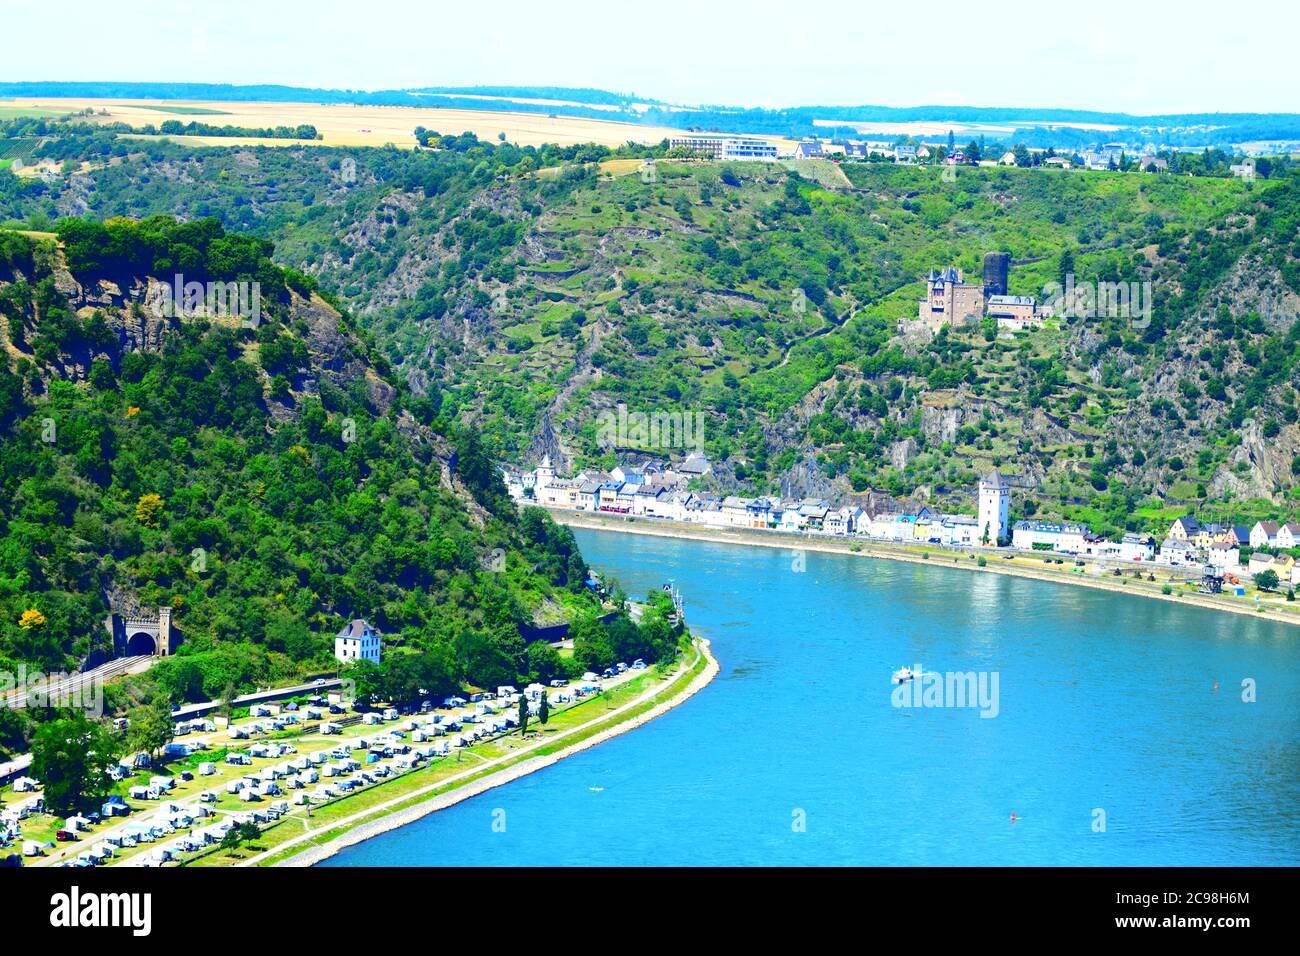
<point x="547" y="459"/>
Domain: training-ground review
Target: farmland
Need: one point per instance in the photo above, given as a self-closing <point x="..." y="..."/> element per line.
<point x="16" y="111"/>
<point x="346" y="125"/>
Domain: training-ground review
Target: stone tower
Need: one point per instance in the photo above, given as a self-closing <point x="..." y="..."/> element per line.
<point x="164" y="631"/>
<point x="994" y="497"/>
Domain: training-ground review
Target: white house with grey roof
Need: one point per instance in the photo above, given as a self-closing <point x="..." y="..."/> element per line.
<point x="358" y="641"/>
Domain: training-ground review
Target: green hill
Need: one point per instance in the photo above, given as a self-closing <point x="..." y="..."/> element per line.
<point x="268" y="480"/>
<point x="527" y="291"/>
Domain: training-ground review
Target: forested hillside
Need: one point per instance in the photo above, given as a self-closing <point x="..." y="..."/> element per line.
<point x="268" y="481"/>
<point x="525" y="291"/>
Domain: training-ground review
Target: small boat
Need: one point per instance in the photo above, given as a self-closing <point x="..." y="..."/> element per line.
<point x="903" y="675"/>
<point x="596" y="789"/>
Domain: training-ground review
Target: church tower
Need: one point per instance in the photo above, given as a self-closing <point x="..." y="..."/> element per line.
<point x="544" y="472"/>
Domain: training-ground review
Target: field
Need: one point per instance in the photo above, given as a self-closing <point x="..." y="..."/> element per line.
<point x="354" y="125"/>
<point x="12" y="110"/>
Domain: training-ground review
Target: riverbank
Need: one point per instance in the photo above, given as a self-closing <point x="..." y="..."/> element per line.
<point x="689" y="679"/>
<point x="997" y="562"/>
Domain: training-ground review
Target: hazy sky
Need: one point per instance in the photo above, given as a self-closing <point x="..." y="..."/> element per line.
<point x="1127" y="55"/>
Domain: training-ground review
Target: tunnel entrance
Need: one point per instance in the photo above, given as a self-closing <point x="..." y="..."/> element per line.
<point x="141" y="643"/>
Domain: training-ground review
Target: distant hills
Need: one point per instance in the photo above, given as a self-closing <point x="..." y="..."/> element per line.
<point x="1033" y="127"/>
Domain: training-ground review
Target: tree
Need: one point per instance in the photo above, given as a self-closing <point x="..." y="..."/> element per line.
<point x="226" y="706"/>
<point x="1266" y="580"/>
<point x="31" y="618"/>
<point x="544" y="709"/>
<point x="592" y="648"/>
<point x="237" y="836"/>
<point x="152" y="727"/>
<point x="72" y="757"/>
<point x="1066" y="266"/>
<point x="523" y="714"/>
<point x="544" y="662"/>
<point x="148" y="509"/>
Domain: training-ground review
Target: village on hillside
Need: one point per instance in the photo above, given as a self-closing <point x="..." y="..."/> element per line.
<point x="910" y="151"/>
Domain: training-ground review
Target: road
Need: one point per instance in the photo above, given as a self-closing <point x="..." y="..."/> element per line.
<point x="262" y="696"/>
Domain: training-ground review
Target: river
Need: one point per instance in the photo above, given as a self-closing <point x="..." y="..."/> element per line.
<point x="1101" y="730"/>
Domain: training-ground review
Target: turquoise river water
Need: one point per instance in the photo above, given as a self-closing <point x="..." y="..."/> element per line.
<point x="1105" y="737"/>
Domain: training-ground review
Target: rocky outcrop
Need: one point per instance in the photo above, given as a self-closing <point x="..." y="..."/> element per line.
<point x="902" y="452"/>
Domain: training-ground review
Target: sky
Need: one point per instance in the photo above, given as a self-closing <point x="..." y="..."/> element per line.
<point x="1108" y="55"/>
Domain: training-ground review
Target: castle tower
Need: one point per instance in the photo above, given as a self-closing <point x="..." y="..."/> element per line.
<point x="164" y="631"/>
<point x="996" y="266"/>
<point x="994" y="496"/>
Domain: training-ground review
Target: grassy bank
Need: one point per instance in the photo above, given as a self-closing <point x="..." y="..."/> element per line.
<point x="450" y="780"/>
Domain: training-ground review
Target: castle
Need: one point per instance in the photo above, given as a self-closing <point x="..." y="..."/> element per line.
<point x="951" y="300"/>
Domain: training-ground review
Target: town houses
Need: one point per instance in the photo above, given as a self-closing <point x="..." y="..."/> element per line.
<point x="670" y="491"/>
<point x="1218" y="546"/>
<point x="655" y="490"/>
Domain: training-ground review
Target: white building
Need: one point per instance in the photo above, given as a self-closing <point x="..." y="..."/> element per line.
<point x="357" y="641"/>
<point x="841" y="521"/>
<point x="544" y="474"/>
<point x="1264" y="534"/>
<point x="960" y="531"/>
<point x="1049" y="536"/>
<point x="994" y="498"/>
<point x="1178" y="552"/>
<point x="1224" y="557"/>
<point x="1137" y="547"/>
<point x="728" y="147"/>
<point x="514" y="484"/>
